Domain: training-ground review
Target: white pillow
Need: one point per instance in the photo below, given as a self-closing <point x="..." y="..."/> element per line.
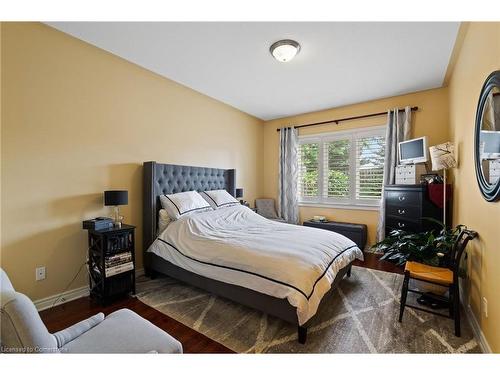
<point x="185" y="203"/>
<point x="163" y="220"/>
<point x="219" y="198"/>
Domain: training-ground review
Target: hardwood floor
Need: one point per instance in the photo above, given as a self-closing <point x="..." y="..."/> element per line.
<point x="63" y="316"/>
<point x="372" y="261"/>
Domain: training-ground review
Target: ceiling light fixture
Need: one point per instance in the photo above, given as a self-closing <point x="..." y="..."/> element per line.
<point x="284" y="50"/>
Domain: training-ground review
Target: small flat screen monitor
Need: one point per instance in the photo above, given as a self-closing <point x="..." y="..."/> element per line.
<point x="413" y="151"/>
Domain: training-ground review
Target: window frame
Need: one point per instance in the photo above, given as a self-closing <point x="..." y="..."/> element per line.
<point x="352" y="135"/>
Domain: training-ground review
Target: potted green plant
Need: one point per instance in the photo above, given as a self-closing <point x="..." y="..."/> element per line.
<point x="426" y="247"/>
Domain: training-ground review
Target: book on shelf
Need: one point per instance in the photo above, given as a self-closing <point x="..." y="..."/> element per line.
<point x="115" y="270"/>
<point x="118" y="264"/>
<point x="119" y="256"/>
<point x="117" y="261"/>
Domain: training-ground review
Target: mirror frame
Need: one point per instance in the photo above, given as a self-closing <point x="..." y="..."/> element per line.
<point x="490" y="192"/>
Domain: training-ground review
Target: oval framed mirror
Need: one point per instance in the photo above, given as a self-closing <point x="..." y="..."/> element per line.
<point x="487" y="138"/>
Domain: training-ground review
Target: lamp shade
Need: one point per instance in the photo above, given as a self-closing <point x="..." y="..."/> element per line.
<point x="239" y="193"/>
<point x="443" y="156"/>
<point x="115" y="197"/>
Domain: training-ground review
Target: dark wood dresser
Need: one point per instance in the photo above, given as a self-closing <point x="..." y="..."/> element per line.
<point x="407" y="205"/>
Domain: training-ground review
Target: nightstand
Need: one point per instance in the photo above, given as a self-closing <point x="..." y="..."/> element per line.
<point x="111" y="262"/>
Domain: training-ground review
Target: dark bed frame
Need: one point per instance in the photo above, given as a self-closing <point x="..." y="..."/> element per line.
<point x="162" y="179"/>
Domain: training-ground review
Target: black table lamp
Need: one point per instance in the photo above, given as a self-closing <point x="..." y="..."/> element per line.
<point x="239" y="193"/>
<point x="116" y="198"/>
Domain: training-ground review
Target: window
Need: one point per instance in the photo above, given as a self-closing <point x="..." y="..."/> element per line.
<point x="343" y="168"/>
<point x="308" y="169"/>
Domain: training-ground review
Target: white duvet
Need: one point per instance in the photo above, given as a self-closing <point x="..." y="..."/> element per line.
<point x="237" y="246"/>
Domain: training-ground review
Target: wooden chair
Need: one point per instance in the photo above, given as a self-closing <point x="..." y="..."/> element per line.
<point x="447" y="277"/>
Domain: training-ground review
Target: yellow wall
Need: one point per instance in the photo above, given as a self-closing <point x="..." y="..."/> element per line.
<point x="431" y="120"/>
<point x="76" y="121"/>
<point x="478" y="57"/>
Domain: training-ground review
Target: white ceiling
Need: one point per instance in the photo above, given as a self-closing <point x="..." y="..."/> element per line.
<point x="339" y="63"/>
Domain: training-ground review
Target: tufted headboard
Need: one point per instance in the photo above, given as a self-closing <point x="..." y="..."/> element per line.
<point x="168" y="179"/>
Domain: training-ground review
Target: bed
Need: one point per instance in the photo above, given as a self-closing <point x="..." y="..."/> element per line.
<point x="204" y="249"/>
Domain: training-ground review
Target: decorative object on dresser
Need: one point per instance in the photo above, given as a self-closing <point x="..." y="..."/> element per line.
<point x="443" y="158"/>
<point x="407" y="206"/>
<point x="410" y="174"/>
<point x="431" y="178"/>
<point x="355" y="232"/>
<point x="116" y="198"/>
<point x="111" y="262"/>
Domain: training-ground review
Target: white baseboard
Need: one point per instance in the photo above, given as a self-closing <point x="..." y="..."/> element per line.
<point x="476" y="328"/>
<point x="59" y="299"/>
<point x="70" y="295"/>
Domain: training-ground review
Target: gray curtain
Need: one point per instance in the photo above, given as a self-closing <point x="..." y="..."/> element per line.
<point x="398" y="130"/>
<point x="288" y="205"/>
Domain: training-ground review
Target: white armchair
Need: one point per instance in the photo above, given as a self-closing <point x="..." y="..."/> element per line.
<point x="123" y="331"/>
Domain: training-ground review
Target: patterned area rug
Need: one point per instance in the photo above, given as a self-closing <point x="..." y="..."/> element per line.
<point x="361" y="317"/>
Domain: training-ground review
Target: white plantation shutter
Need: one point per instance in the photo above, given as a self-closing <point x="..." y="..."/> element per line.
<point x="309" y="170"/>
<point x="344" y="168"/>
<point x="370" y="152"/>
<point x="336" y="172"/>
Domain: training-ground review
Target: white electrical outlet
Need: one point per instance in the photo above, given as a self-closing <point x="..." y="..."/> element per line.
<point x="40" y="273"/>
<point x="485" y="307"/>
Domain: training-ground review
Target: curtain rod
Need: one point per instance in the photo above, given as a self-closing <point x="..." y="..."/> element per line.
<point x="413" y="109"/>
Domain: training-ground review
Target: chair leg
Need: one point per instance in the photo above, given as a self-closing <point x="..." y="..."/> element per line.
<point x="451" y="306"/>
<point x="149" y="272"/>
<point x="404" y="293"/>
<point x="302" y="334"/>
<point x="349" y="271"/>
<point x="456" y="308"/>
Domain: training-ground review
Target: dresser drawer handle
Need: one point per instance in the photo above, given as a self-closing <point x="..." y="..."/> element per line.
<point x="401" y="198"/>
<point x="401" y="225"/>
<point x="401" y="212"/>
